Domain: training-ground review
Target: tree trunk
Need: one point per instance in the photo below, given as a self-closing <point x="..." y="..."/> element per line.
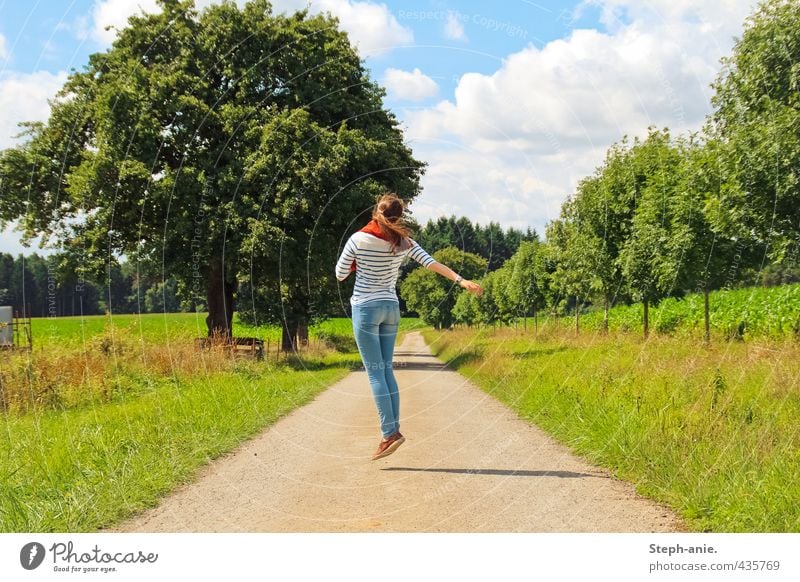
<point x="577" y="316"/>
<point x="605" y="316"/>
<point x="706" y="314"/>
<point x="535" y="321"/>
<point x="646" y="318"/>
<point x="220" y="301"/>
<point x="289" y="335"/>
<point x="302" y="333"/>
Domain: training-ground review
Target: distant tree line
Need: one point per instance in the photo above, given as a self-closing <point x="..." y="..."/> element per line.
<point x="490" y="242"/>
<point x="49" y="286"/>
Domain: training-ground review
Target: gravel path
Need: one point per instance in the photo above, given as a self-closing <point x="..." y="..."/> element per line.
<point x="469" y="464"/>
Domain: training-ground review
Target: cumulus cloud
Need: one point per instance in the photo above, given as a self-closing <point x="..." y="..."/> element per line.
<point x="546" y="116"/>
<point x="453" y="28"/>
<point x="115" y="13"/>
<point x="23" y="97"/>
<point x="409" y="86"/>
<point x="372" y="27"/>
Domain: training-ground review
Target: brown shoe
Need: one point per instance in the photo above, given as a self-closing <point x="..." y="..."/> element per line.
<point x="388" y="445"/>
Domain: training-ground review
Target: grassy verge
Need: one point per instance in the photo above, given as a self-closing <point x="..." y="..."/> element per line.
<point x="710" y="430"/>
<point x="85" y="468"/>
<point x="107" y="415"/>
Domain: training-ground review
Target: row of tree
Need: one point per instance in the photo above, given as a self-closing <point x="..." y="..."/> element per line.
<point x="665" y="216"/>
<point x="490" y="242"/>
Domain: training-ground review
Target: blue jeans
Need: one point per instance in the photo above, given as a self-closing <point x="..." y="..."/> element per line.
<point x="375" y="326"/>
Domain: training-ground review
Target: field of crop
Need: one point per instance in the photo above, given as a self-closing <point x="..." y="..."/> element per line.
<point x="748" y="313"/>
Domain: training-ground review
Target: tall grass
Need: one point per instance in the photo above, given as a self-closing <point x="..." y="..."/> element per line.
<point x="710" y="430"/>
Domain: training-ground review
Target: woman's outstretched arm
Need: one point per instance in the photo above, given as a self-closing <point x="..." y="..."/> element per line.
<point x="448" y="273"/>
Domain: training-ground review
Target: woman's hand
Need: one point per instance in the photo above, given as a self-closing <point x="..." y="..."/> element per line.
<point x="472" y="287"/>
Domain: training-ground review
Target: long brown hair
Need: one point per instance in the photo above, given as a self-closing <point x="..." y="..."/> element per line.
<point x="388" y="213"/>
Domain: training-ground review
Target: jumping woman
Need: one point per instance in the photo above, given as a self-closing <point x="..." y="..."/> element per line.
<point x="375" y="253"/>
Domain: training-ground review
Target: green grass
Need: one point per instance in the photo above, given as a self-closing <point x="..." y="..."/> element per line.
<point x="166" y="328"/>
<point x="83" y="469"/>
<point x="710" y="430"/>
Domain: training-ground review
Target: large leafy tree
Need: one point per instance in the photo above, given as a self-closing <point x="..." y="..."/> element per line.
<point x="756" y="118"/>
<point x="605" y="204"/>
<point x="212" y="145"/>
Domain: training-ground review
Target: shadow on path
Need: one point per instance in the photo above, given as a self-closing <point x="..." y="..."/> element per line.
<point x="518" y="473"/>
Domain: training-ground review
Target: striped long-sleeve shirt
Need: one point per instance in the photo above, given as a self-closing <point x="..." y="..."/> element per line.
<point x="377" y="267"/>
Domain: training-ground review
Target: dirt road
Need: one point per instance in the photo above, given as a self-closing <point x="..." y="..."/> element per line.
<point x="469" y="464"/>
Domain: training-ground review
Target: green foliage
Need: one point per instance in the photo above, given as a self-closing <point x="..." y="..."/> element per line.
<point x="755" y="117"/>
<point x="431" y="295"/>
<point x="162" y="297"/>
<point x="490" y="242"/>
<point x="54" y="287"/>
<point x="747" y="313"/>
<point x="649" y="268"/>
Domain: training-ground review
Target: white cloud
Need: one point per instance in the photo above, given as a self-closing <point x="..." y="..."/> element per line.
<point x="453" y="28"/>
<point x="23" y="97"/>
<point x="409" y="86"/>
<point x="545" y="117"/>
<point x="116" y="13"/>
<point x="371" y="27"/>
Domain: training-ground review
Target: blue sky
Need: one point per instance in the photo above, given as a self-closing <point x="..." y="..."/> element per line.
<point x="510" y="102"/>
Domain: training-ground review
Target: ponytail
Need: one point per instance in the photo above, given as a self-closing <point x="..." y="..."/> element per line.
<point x="388" y="213"/>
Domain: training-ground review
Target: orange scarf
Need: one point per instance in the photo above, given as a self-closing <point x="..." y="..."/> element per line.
<point x="373" y="228"/>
